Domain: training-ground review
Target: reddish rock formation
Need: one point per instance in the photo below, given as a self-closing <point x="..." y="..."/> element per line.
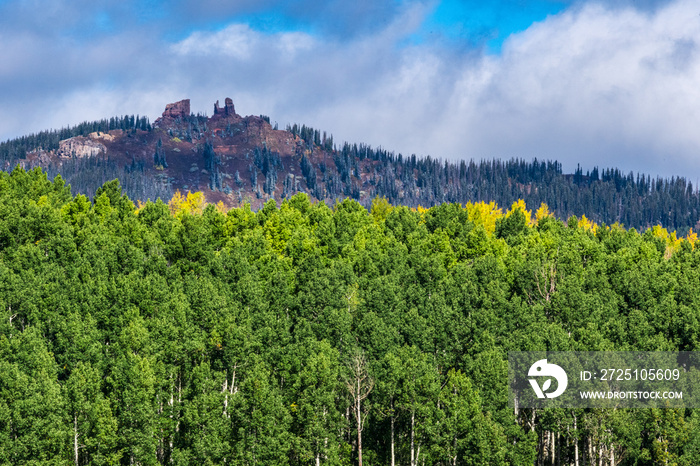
<point x="229" y="107"/>
<point x="227" y="110"/>
<point x="178" y="109"/>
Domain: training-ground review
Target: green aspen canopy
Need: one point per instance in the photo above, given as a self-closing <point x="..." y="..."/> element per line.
<point x="301" y="334"/>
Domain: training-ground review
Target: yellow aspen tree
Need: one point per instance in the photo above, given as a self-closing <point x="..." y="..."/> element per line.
<point x="520" y="204"/>
<point x="481" y="213"/>
<point x="221" y="207"/>
<point x="176" y="202"/>
<point x="587" y="224"/>
<point x="196" y="202"/>
<point x="543" y="212"/>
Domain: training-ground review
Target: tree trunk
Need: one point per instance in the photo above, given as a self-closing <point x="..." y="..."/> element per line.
<point x="359" y="386"/>
<point x="359" y="426"/>
<point x="325" y="440"/>
<point x="553" y="446"/>
<point x="224" y="390"/>
<point x="179" y="401"/>
<point x="454" y="458"/>
<point x="413" y="437"/>
<point x="229" y="391"/>
<point x="75" y="437"/>
<point x="612" y="455"/>
<point x="392" y="433"/>
<point x="575" y="442"/>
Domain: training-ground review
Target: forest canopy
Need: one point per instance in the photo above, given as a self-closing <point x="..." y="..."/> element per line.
<point x="183" y="333"/>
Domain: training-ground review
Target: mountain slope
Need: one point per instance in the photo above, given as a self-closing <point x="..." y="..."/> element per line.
<point x="236" y="159"/>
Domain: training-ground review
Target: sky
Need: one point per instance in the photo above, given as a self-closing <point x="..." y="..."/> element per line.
<point x="598" y="83"/>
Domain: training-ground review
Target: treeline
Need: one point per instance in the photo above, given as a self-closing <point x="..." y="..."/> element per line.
<point x="312" y="137"/>
<point x="14" y="150"/>
<point x="301" y="334"/>
<point x="608" y="195"/>
<point x="85" y="176"/>
<point x="605" y="195"/>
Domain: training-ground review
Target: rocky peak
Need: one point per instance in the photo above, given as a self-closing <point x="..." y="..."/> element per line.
<point x="177" y="109"/>
<point x="227" y="110"/>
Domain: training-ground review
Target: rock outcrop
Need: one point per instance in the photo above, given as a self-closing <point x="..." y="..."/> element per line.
<point x="179" y="109"/>
<point x="104" y="136"/>
<point x="227" y="110"/>
<point x="80" y="146"/>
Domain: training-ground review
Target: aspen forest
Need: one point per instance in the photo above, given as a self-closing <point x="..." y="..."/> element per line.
<point x="306" y="333"/>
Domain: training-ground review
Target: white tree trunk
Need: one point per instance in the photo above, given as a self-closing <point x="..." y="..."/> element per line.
<point x="413" y="438"/>
<point x="75" y="437"/>
<point x="358" y="410"/>
<point x="392" y="434"/>
<point x="576" y="463"/>
<point x="553" y="444"/>
<point x="612" y="455"/>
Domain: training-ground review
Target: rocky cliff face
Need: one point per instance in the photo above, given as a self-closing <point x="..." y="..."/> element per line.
<point x="229" y="157"/>
<point x="179" y="109"/>
<point x="80" y="146"/>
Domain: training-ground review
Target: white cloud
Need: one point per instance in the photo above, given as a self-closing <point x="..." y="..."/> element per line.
<point x="596" y="86"/>
<point x="234" y="41"/>
<point x="240" y="42"/>
<point x="592" y="85"/>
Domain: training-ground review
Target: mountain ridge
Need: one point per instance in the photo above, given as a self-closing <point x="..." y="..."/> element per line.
<point x="235" y="160"/>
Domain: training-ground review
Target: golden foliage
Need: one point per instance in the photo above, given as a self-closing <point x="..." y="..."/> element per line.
<point x="193" y="203"/>
<point x="421" y="212"/>
<point x="420" y="209"/>
<point x="543" y="212"/>
<point x="673" y="243"/>
<point x="658" y="231"/>
<point x="176" y="202"/>
<point x="520" y="205"/>
<point x="587" y="224"/>
<point x="481" y="213"/>
<point x="221" y="207"/>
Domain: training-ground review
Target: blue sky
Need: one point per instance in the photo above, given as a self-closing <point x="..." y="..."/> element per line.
<point x="479" y="23"/>
<point x="608" y="83"/>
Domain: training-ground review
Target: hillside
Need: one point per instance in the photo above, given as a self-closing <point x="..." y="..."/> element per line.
<point x="159" y="336"/>
<point x="236" y="159"/>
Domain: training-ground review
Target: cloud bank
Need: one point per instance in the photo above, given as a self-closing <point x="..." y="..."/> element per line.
<point x="597" y="84"/>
